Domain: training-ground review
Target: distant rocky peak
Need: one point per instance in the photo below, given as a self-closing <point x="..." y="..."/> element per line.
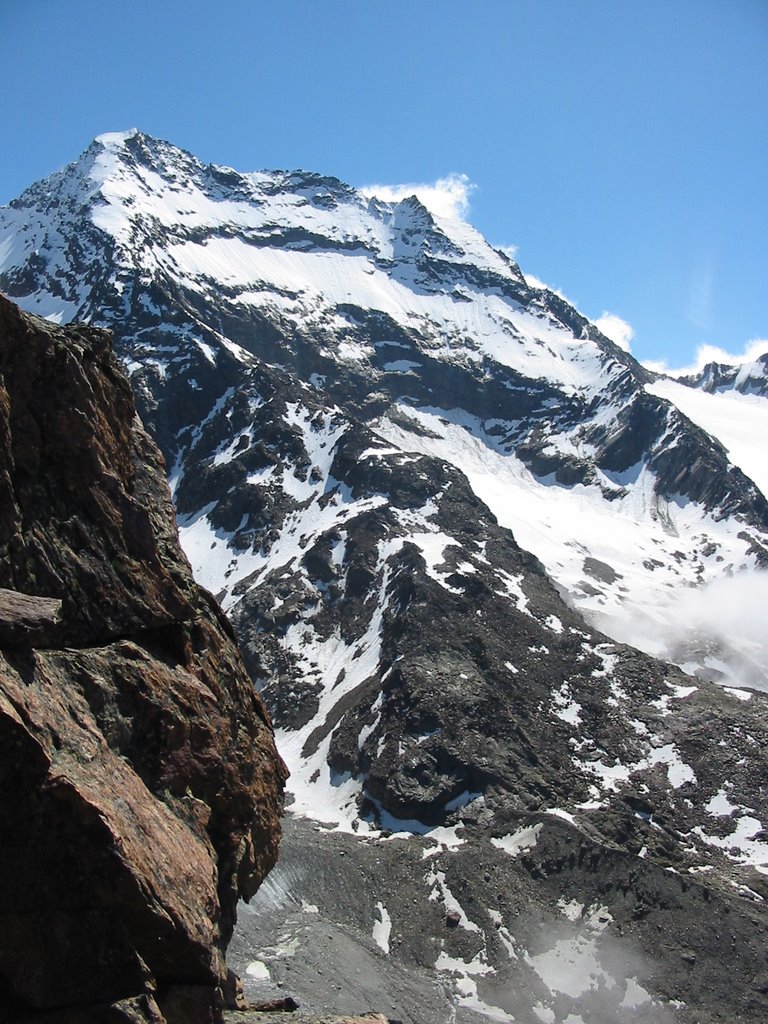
<point x="415" y="211"/>
<point x="418" y="229"/>
<point x="134" y="147"/>
<point x="748" y="378"/>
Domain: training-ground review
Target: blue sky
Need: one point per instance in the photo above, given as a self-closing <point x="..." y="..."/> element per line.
<point x="621" y="147"/>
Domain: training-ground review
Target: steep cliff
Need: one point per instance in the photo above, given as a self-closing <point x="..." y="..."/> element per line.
<point x="140" y="789"/>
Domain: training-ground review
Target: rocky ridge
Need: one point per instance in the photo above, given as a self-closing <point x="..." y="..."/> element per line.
<point x="748" y="378"/>
<point x="140" y="788"/>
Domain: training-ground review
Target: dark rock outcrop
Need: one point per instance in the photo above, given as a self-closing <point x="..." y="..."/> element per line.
<point x="140" y="789"/>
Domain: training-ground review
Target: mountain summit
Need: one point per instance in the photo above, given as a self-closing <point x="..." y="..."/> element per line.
<point x="435" y="500"/>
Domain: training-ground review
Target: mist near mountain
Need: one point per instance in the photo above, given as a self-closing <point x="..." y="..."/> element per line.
<point x="716" y="630"/>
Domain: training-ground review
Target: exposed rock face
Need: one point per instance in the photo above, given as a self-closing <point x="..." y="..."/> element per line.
<point x="140" y="790"/>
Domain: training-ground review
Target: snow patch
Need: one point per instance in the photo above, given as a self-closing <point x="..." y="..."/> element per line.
<point x="382" y="929"/>
<point x="521" y="841"/>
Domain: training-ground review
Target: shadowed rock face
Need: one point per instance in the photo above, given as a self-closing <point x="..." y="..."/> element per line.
<point x="140" y="789"/>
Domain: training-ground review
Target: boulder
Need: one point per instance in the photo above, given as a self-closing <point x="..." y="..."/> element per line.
<point x="140" y="788"/>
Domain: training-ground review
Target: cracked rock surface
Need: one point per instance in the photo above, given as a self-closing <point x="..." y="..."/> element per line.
<point x="140" y="789"/>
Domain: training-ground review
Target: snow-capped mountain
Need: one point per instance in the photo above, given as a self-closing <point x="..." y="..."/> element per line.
<point x="433" y="335"/>
<point x="434" y="500"/>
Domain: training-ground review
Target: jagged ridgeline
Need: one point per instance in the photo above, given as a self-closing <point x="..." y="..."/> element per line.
<point x="432" y="499"/>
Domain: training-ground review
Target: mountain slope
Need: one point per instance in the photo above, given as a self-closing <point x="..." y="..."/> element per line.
<point x="403" y="321"/>
<point x="392" y="460"/>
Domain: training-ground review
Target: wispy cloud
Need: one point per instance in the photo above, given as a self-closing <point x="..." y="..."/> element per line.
<point x="726" y="618"/>
<point x="712" y="354"/>
<point x="700" y="297"/>
<point x="447" y="197"/>
<point x="536" y="282"/>
<point x="508" y="250"/>
<point x="618" y="330"/>
<point x="612" y="326"/>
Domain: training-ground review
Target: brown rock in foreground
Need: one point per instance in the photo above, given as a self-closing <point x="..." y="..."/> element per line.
<point x="266" y="1017"/>
<point x="140" y="790"/>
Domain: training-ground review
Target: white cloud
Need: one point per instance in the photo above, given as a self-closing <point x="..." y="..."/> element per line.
<point x="508" y="250"/>
<point x="618" y="330"/>
<point x="447" y="197"/>
<point x="536" y="282"/>
<point x="612" y="326"/>
<point x="712" y="354"/>
<point x="660" y="366"/>
<point x="721" y="623"/>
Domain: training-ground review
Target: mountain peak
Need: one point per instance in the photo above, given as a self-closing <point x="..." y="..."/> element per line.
<point x="115" y="140"/>
<point x="416" y="306"/>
